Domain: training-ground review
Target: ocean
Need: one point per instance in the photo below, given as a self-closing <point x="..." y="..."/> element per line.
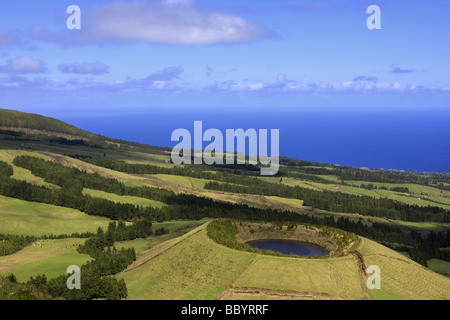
<point x="412" y="140"/>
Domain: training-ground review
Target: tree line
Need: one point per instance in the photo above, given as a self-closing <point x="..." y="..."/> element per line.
<point x="339" y="202"/>
<point x="96" y="280"/>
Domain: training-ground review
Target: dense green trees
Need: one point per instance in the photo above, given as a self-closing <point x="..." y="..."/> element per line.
<point x="340" y="202"/>
<point x="141" y="228"/>
<point x="93" y="286"/>
<point x="96" y="280"/>
<point x="6" y="170"/>
<point x="13" y="243"/>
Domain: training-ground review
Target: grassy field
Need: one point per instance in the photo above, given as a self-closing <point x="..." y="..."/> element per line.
<point x="194" y="267"/>
<point x="439" y="266"/>
<point x="418" y="195"/>
<point x="176" y="229"/>
<point x="21" y="173"/>
<point x="336" y="278"/>
<point x="30" y="218"/>
<point x="294" y="203"/>
<point x="49" y="257"/>
<point x="188" y="268"/>
<point x="247" y="200"/>
<point x="123" y="199"/>
<point x="402" y="278"/>
<point x="160" y="160"/>
<point x="434" y="226"/>
<point x="183" y="181"/>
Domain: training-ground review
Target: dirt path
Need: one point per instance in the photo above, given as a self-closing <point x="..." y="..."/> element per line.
<point x="280" y="294"/>
<point x="259" y="292"/>
<point x="362" y="271"/>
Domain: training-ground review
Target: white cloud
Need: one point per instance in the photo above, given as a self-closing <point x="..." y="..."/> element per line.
<point x="282" y="85"/>
<point x="22" y="65"/>
<point x="167" y="74"/>
<point x="163" y="80"/>
<point x="175" y="22"/>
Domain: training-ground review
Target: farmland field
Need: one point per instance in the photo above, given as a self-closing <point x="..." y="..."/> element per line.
<point x="123" y="199"/>
<point x="31" y="218"/>
<point x="193" y="268"/>
<point x="403" y="278"/>
<point x="49" y="257"/>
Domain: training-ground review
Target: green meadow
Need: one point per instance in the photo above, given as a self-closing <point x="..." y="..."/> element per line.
<point x="439" y="266"/>
<point x="49" y="257"/>
<point x="123" y="199"/>
<point x="187" y="182"/>
<point x="30" y="218"/>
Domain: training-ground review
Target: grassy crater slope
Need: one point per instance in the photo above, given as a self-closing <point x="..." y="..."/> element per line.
<point x="195" y="267"/>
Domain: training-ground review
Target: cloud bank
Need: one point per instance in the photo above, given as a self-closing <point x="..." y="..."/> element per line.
<point x="365" y="78"/>
<point x="395" y="68"/>
<point x="167" y="74"/>
<point x="174" y="22"/>
<point x="23" y="65"/>
<point x="165" y="81"/>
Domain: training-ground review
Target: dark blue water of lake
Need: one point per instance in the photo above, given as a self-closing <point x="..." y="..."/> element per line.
<point x="289" y="246"/>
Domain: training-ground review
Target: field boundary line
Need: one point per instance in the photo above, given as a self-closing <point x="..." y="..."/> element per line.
<point x="139" y="263"/>
<point x="232" y="286"/>
<point x="253" y="291"/>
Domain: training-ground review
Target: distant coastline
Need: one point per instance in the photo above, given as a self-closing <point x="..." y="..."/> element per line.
<point x="414" y="141"/>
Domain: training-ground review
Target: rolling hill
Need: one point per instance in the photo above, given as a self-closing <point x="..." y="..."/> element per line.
<point x="403" y="219"/>
<point x="195" y="267"/>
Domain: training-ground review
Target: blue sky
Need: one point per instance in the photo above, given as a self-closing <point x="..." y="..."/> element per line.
<point x="172" y="54"/>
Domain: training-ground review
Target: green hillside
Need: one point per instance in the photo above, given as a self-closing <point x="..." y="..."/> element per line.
<point x="91" y="194"/>
<point x="37" y="219"/>
<point x="17" y="119"/>
<point x="195" y="267"/>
